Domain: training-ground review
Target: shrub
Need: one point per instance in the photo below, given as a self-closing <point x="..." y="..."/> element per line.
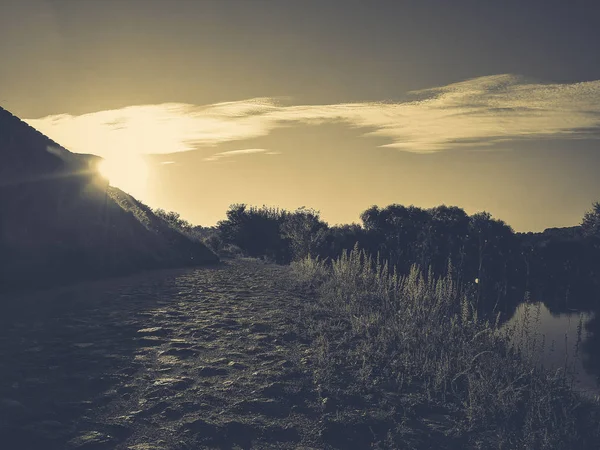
<point x="256" y="231"/>
<point x="304" y="231"/>
<point x="309" y="272"/>
<point x="174" y="219"/>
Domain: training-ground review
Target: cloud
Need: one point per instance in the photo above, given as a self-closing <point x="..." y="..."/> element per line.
<point x="157" y="129"/>
<point x="246" y="151"/>
<point x="472" y="113"/>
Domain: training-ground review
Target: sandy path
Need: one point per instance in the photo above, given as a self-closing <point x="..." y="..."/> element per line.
<point x="202" y="358"/>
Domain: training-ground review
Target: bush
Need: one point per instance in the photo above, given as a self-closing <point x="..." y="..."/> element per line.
<point x="256" y="231"/>
<point x="305" y="232"/>
<point x="174" y="219"/>
<point x="273" y="233"/>
<point x="309" y="272"/>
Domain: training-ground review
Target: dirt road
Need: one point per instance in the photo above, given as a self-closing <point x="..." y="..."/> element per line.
<point x="184" y="359"/>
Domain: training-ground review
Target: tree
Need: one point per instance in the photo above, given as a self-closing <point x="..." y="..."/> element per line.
<point x="256" y="231"/>
<point x="305" y="231"/>
<point x="447" y="233"/>
<point x="490" y="249"/>
<point x="398" y="233"/>
<point x="590" y="225"/>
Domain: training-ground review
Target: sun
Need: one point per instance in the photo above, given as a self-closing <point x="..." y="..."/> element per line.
<point x="129" y="173"/>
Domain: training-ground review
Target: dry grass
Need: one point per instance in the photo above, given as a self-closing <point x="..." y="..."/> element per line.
<point x="419" y="336"/>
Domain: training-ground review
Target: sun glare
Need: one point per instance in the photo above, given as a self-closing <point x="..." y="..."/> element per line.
<point x="129" y="174"/>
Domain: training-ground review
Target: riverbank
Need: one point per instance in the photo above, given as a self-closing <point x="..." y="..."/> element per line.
<point x="411" y="354"/>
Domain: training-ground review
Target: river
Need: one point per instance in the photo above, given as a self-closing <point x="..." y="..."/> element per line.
<point x="560" y="333"/>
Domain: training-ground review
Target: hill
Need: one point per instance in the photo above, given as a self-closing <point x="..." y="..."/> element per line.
<point x="60" y="221"/>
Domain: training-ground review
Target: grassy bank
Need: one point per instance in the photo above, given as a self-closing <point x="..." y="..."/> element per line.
<point x="405" y="362"/>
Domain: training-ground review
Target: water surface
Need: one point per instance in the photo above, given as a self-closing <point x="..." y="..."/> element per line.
<point x="559" y="333"/>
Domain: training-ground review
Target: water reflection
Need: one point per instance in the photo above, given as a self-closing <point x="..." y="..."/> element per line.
<point x="559" y="332"/>
<point x="591" y="348"/>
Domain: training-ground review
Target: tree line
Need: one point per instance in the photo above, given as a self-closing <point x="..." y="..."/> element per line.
<point x="481" y="251"/>
<point x="485" y="254"/>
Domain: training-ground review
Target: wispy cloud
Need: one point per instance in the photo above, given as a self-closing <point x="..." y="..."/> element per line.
<point x="157" y="129"/>
<point x="476" y="112"/>
<point x="229" y="154"/>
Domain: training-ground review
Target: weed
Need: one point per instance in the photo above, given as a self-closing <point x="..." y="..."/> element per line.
<point x="420" y="335"/>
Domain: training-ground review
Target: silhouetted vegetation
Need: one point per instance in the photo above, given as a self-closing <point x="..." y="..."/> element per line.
<point x="485" y="253"/>
<point x="590" y="226"/>
<point x="174" y="219"/>
<point x="209" y="236"/>
<point x="257" y="232"/>
<point x="418" y="341"/>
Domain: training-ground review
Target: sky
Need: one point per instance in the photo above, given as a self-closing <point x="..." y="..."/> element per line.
<point x="334" y="105"/>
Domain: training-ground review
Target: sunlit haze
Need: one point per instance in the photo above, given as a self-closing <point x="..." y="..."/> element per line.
<point x="129" y="173"/>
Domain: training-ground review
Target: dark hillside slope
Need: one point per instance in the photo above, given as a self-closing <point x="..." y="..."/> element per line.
<point x="60" y="221"/>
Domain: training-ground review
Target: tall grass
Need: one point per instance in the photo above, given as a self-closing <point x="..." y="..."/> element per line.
<point x="420" y="335"/>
